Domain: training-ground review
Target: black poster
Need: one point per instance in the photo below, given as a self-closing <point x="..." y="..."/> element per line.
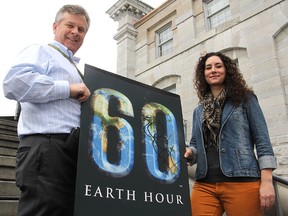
<point x="131" y="150"/>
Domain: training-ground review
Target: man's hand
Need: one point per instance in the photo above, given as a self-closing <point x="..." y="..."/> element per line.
<point x="79" y="91"/>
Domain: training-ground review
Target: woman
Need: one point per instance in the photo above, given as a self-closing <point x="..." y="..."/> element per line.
<point x="228" y="127"/>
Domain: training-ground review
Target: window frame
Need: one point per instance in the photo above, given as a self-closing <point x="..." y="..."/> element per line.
<point x="167" y="40"/>
<point x="170" y="88"/>
<point x="216" y="13"/>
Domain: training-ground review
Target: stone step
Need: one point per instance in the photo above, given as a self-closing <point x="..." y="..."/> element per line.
<point x="10" y="152"/>
<point x="7" y="161"/>
<point x="8" y="127"/>
<point x="8" y="139"/>
<point x="8" y="207"/>
<point x="9" y="190"/>
<point x="7" y="167"/>
<point x="7" y="173"/>
<point x="7" y="132"/>
<point x="8" y="123"/>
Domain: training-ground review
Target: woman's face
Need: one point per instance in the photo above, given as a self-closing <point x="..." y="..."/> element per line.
<point x="215" y="71"/>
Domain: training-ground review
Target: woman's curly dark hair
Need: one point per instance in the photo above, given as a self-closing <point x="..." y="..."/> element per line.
<point x="235" y="85"/>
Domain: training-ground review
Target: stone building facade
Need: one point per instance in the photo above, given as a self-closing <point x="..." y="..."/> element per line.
<point x="160" y="47"/>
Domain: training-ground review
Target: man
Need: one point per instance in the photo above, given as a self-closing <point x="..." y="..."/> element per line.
<point x="49" y="87"/>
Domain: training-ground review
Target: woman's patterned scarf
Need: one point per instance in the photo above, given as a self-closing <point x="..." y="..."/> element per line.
<point x="211" y="117"/>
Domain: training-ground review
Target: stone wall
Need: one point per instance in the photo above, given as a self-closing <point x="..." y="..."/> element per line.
<point x="255" y="36"/>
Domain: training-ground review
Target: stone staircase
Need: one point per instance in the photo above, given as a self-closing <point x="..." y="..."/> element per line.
<point x="9" y="193"/>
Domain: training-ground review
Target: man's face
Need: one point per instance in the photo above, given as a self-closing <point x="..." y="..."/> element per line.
<point x="71" y="31"/>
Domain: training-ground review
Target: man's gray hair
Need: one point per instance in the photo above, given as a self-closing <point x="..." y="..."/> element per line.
<point x="72" y="9"/>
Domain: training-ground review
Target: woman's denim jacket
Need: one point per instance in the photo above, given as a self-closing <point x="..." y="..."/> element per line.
<point x="242" y="128"/>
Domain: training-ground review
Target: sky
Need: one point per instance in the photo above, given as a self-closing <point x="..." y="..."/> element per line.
<point x="30" y="21"/>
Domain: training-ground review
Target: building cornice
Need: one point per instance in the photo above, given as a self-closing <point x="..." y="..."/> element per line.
<point x="136" y="8"/>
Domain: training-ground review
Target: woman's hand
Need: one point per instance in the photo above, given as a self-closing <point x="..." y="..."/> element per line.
<point x="189" y="155"/>
<point x="267" y="192"/>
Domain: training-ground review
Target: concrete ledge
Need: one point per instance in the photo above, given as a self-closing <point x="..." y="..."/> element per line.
<point x="7" y="173"/>
<point x="8" y="207"/>
<point x="7" y="161"/>
<point x="8" y="151"/>
<point x="9" y="190"/>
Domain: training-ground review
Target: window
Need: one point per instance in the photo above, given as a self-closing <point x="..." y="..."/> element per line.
<point x="217" y="12"/>
<point x="164" y="40"/>
<point x="185" y="128"/>
<point x="171" y="88"/>
<point x="236" y="62"/>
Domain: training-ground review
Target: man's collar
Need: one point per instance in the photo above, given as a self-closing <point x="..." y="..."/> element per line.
<point x="68" y="52"/>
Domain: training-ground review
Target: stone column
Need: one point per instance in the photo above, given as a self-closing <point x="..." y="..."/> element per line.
<point x="127" y="13"/>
